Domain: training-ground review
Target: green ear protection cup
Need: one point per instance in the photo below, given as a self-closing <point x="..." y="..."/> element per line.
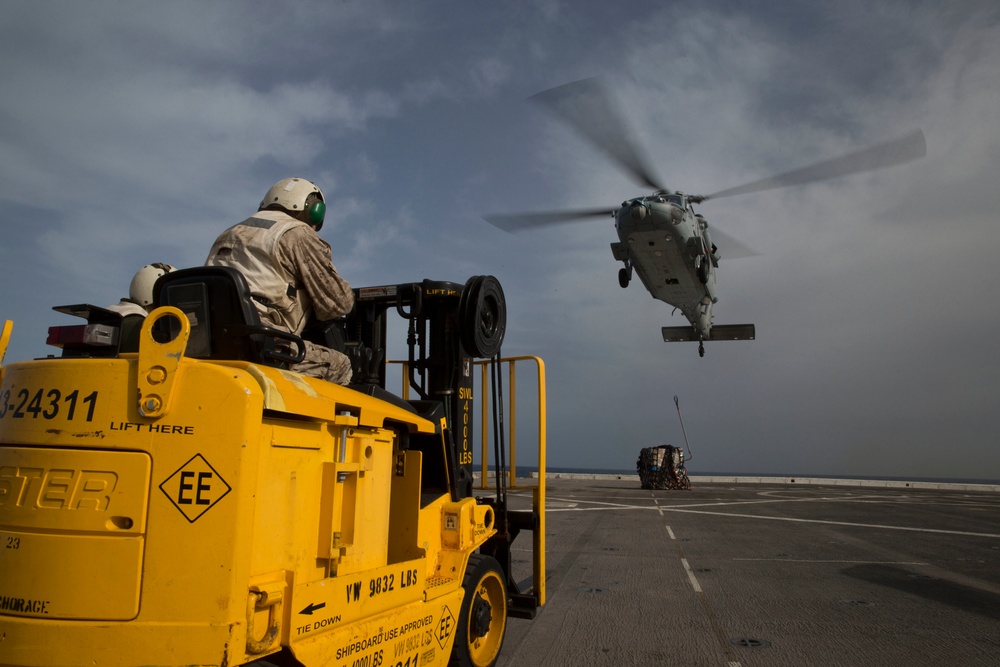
<point x="317" y="211"/>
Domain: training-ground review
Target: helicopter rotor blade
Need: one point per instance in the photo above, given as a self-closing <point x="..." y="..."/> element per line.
<point x="516" y="222"/>
<point x="587" y="107"/>
<point x="911" y="146"/>
<point x="729" y="246"/>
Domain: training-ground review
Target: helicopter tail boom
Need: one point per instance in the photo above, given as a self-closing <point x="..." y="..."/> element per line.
<point x="718" y="332"/>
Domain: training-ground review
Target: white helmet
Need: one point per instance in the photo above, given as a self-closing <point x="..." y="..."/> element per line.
<point x="141" y="289"/>
<point x="292" y="194"/>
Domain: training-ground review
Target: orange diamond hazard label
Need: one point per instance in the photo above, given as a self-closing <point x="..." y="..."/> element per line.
<point x="195" y="487"/>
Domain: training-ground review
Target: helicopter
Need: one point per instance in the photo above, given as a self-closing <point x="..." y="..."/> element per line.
<point x="660" y="236"/>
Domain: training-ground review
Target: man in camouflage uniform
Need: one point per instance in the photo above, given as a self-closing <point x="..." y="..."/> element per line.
<point x="290" y="269"/>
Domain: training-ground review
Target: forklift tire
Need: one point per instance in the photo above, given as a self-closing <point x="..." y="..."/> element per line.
<point x="482" y="313"/>
<point x="282" y="658"/>
<point x="482" y="621"/>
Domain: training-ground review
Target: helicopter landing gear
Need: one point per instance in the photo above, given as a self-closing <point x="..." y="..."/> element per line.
<point x="701" y="348"/>
<point x="702" y="270"/>
<point x="624" y="276"/>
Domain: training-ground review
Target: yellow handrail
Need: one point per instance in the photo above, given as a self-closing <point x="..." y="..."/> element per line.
<point x="511" y="421"/>
<point x="8" y="326"/>
<point x="538" y="491"/>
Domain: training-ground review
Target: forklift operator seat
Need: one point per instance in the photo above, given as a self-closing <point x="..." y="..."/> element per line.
<point x="225" y="324"/>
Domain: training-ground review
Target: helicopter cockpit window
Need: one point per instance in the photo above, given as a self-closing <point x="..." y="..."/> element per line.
<point x="676" y="199"/>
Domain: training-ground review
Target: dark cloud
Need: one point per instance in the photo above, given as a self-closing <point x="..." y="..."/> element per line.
<point x="134" y="134"/>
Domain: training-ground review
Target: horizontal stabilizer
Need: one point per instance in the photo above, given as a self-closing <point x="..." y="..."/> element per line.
<point x="719" y="332"/>
<point x="733" y="332"/>
<point x="679" y="334"/>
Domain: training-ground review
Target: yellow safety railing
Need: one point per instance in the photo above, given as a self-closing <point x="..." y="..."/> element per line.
<point x="538" y="491"/>
<point x="8" y="326"/>
<point x="510" y="431"/>
<point x="510" y="434"/>
<point x="511" y="420"/>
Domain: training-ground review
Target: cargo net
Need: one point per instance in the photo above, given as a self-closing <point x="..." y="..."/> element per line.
<point x="662" y="468"/>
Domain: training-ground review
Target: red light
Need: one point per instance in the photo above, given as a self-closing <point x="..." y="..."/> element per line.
<point x="82" y="334"/>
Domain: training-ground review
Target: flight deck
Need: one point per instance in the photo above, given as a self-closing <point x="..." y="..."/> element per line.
<point x="733" y="574"/>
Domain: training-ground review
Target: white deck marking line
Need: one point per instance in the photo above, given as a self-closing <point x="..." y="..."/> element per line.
<point x="657" y="506"/>
<point x="671" y="533"/>
<point x="560" y="505"/>
<point x="837" y="562"/>
<point x="603" y="505"/>
<point x="694" y="580"/>
<point x="774" y="500"/>
<point x="837" y="523"/>
<point x="600" y="509"/>
<point x="553" y="504"/>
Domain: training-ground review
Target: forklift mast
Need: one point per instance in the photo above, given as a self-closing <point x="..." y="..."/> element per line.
<point x="449" y="325"/>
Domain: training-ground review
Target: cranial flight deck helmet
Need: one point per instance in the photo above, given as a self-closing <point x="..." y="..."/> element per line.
<point x="141" y="288"/>
<point x="295" y="195"/>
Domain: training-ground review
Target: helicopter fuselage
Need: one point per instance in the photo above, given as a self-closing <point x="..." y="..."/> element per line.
<point x="660" y="236"/>
<point x="663" y="240"/>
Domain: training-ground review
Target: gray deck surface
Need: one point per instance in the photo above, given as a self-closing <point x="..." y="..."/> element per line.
<point x="762" y="574"/>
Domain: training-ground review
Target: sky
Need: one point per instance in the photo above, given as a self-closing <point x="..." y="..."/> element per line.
<point x="132" y="133"/>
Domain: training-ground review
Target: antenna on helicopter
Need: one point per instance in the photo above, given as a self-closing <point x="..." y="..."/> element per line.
<point x="683" y="430"/>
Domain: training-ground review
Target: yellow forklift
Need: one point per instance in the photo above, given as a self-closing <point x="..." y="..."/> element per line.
<point x="179" y="497"/>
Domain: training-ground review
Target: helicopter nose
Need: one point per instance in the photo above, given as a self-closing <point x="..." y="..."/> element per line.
<point x="638" y="212"/>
